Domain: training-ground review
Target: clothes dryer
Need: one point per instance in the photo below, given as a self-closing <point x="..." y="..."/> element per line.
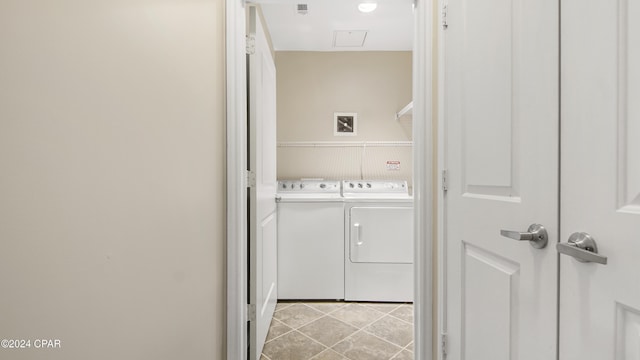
<point x="378" y="241"/>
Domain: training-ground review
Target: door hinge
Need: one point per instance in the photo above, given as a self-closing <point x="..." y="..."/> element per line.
<point x="251" y="44"/>
<point x="444" y="16"/>
<point x="445" y="180"/>
<point x="251" y="312"/>
<point x="443" y="344"/>
<point x="250" y="178"/>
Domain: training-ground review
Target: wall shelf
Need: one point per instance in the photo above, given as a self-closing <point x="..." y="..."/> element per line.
<point x="345" y="144"/>
<point x="407" y="110"/>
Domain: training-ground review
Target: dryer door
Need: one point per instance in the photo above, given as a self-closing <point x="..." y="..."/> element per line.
<point x="380" y="234"/>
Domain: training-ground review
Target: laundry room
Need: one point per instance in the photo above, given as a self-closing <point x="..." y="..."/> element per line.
<point x="343" y="80"/>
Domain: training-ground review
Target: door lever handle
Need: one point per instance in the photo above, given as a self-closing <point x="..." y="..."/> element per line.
<point x="536" y="235"/>
<point x="582" y="246"/>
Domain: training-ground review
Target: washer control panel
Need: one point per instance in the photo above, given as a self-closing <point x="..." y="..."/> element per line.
<point x="309" y="186"/>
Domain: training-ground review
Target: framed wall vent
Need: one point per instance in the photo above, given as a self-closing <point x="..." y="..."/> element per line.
<point x="345" y="124"/>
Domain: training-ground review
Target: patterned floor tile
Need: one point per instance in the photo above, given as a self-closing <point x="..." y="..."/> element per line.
<point x="276" y="329"/>
<point x="292" y="346"/>
<point x="393" y="330"/>
<point x="297" y="315"/>
<point x="357" y="315"/>
<point x="364" y="346"/>
<point x="283" y="305"/>
<point x="326" y="307"/>
<point x="329" y="355"/>
<point x="327" y="330"/>
<point x="383" y="307"/>
<point x="404" y="355"/>
<point x="404" y="312"/>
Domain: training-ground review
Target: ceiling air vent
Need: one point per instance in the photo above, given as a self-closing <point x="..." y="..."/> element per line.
<point x="302" y="9"/>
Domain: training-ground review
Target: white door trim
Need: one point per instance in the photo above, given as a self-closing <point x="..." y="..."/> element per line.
<point x="236" y="187"/>
<point x="423" y="178"/>
<point x="442" y="206"/>
<point x="236" y="194"/>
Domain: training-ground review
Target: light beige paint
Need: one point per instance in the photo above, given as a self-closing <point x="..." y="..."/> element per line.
<point x="112" y="168"/>
<point x="314" y="85"/>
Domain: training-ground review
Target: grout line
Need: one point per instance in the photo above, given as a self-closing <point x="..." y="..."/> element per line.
<point x="281" y="335"/>
<point x="327" y="349"/>
<point x="332" y="311"/>
<point x="314" y="340"/>
<point x="403" y="320"/>
<point x="312" y="321"/>
<point x="283" y="306"/>
<point x="346" y="323"/>
<point x="396" y="354"/>
<point x="385" y="340"/>
<point x="409" y="344"/>
<point x="366" y="324"/>
<point x="304" y="324"/>
<point x="362" y="330"/>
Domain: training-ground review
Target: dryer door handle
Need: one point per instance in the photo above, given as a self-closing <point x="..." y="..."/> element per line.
<point x="358" y="228"/>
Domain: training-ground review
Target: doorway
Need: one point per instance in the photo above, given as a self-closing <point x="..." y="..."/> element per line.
<point x="422" y="187"/>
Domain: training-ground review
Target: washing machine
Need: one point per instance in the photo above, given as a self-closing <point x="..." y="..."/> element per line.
<point x="310" y="240"/>
<point x="378" y="241"/>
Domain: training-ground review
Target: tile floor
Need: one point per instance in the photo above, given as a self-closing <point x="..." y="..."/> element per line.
<point x="340" y="331"/>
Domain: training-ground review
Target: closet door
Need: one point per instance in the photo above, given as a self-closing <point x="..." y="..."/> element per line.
<point x="501" y="115"/>
<point x="600" y="185"/>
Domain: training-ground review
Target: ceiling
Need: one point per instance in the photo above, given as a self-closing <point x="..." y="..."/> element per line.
<point x="388" y="28"/>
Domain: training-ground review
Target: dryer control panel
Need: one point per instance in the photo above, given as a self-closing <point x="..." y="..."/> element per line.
<point x="375" y="188"/>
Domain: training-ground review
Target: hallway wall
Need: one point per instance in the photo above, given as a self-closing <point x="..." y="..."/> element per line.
<point x="112" y="168"/>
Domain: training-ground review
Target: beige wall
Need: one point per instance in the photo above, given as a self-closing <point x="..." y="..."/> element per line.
<point x="314" y="85"/>
<point x="111" y="173"/>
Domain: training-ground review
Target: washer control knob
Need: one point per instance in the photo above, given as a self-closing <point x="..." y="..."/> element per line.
<point x="351" y="185"/>
<point x="323" y="186"/>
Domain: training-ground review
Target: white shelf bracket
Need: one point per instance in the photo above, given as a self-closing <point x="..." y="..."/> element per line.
<point x="405" y="110"/>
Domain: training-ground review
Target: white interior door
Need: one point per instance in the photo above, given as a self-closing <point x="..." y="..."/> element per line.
<point x="600" y="185"/>
<point x="501" y="111"/>
<point x="263" y="266"/>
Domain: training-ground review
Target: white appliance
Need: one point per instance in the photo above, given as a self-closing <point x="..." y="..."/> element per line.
<point x="310" y="240"/>
<point x="378" y="241"/>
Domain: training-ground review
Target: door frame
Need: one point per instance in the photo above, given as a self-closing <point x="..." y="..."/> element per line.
<point x="441" y="216"/>
<point x="236" y="198"/>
